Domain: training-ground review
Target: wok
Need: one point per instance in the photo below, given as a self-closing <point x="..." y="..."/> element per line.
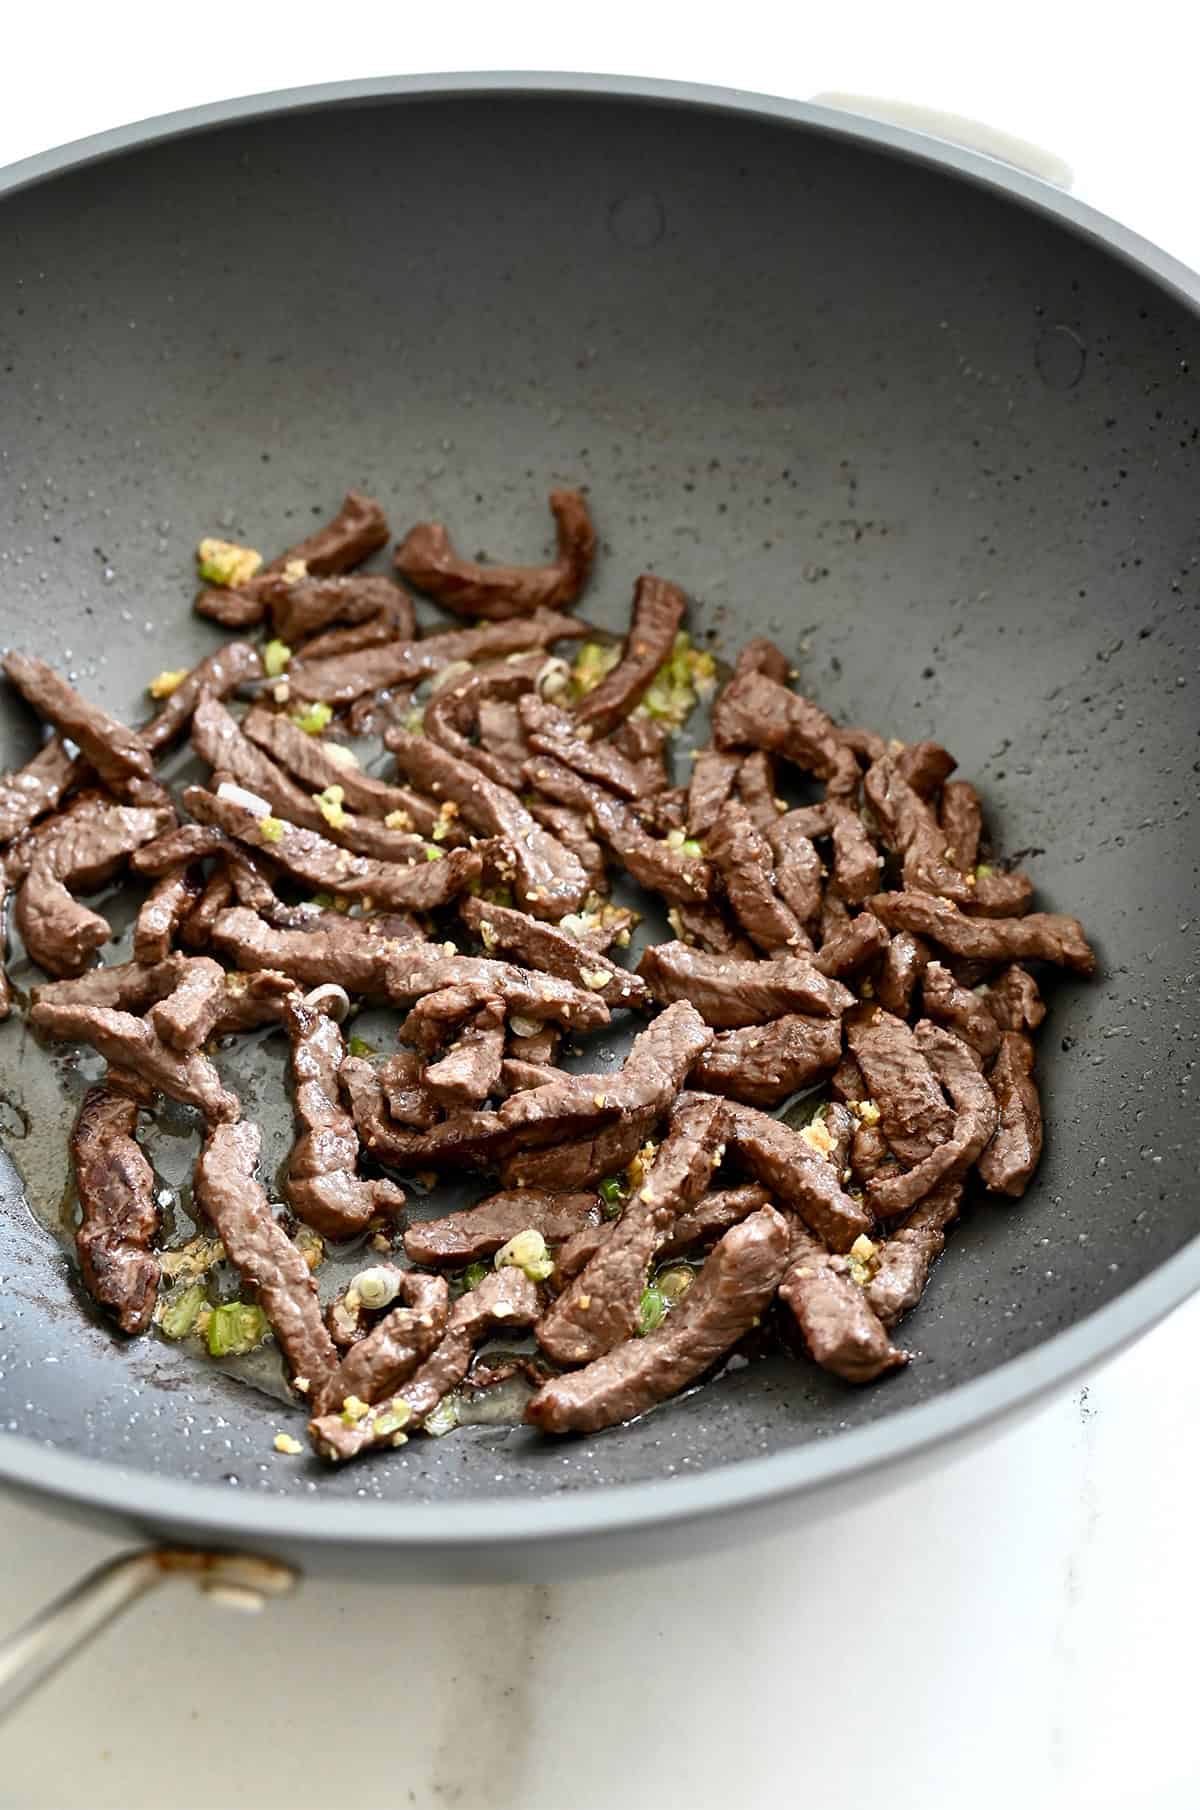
<point x="928" y="422"/>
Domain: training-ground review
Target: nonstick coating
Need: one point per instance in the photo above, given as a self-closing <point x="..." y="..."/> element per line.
<point x="938" y="443"/>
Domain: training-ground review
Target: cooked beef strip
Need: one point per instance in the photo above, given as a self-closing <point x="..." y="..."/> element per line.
<point x="376" y="1366"/>
<point x="553" y="951"/>
<point x="955" y="1064"/>
<point x="308" y="757"/>
<point x="964" y="1011"/>
<point x="184" y="843"/>
<point x="37" y="787"/>
<point x="570" y="827"/>
<point x="1042" y="936"/>
<point x="233" y="664"/>
<point x="904" y="962"/>
<point x="1009" y="1161"/>
<point x="665" y="811"/>
<point x="745" y="862"/>
<point x="132" y="1043"/>
<point x="189" y="1014"/>
<point x="1014" y="1001"/>
<point x="408" y="1100"/>
<point x="710" y="788"/>
<point x="905" y="1259"/>
<point x="725" y="1301"/>
<point x="866" y="744"/>
<point x="124" y="986"/>
<point x="556" y="732"/>
<point x="471" y="1140"/>
<point x="581" y="1161"/>
<point x="549" y="878"/>
<point x="341" y="680"/>
<point x="910" y="826"/>
<point x="217" y="894"/>
<point x="926" y="766"/>
<point x="515" y="1075"/>
<point x="162" y="912"/>
<point x="961" y="817"/>
<point x="798" y="867"/>
<point x="658" y="611"/>
<point x="913" y="1111"/>
<point x="870" y="1155"/>
<point x="253" y="999"/>
<point x="729" y="994"/>
<point x="305" y="609"/>
<point x="478" y="1232"/>
<point x="840" y="1329"/>
<point x="709" y="928"/>
<point x="236" y="606"/>
<point x="577" y="1251"/>
<point x="455" y="709"/>
<point x="756" y="789"/>
<point x="323" y="1187"/>
<point x="599" y="1308"/>
<point x="116" y="752"/>
<point x="764" y="1064"/>
<point x="82" y="849"/>
<point x="117" y="1203"/>
<point x="497" y="593"/>
<point x="357" y="530"/>
<point x="760" y="655"/>
<point x="857" y="863"/>
<point x="846" y="1081"/>
<point x="860" y="943"/>
<point x="653" y="864"/>
<point x="754" y="711"/>
<point x="793" y="1169"/>
<point x="713" y="1214"/>
<point x="501" y="735"/>
<point x="470" y="1069"/>
<point x="374" y="632"/>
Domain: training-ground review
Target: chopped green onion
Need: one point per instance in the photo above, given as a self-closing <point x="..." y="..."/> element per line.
<point x="391" y="1419"/>
<point x="414" y="720"/>
<point x="673" y="1282"/>
<point x="443" y="1419"/>
<point x="314" y="717"/>
<point x="683" y="676"/>
<point x="178" y="1317"/>
<point x="432" y="853"/>
<point x="235" y="1329"/>
<point x="276" y="655"/>
<point x="984" y="871"/>
<point x="360" y="1047"/>
<point x="612" y="1194"/>
<point x="594" y="661"/>
<point x="223" y="562"/>
<point x="270" y="829"/>
<point x="528" y="1251"/>
<point x="330" y="803"/>
<point x="652" y="1311"/>
<point x="693" y="848"/>
<point x="474" y="1274"/>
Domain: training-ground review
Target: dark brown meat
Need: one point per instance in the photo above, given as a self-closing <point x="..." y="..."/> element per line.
<point x="904" y="963"/>
<point x="237" y="606"/>
<point x="253" y="999"/>
<point x="729" y="994"/>
<point x="798" y="867"/>
<point x="357" y="530"/>
<point x="37" y="787"/>
<point x="754" y="711"/>
<point x="456" y="710"/>
<point x="926" y="766"/>
<point x="658" y="611"/>
<point x="961" y="818"/>
<point x="125" y="986"/>
<point x="745" y="862"/>
<point x="760" y="655"/>
<point x="501" y="735"/>
<point x="846" y="1082"/>
<point x="1014" y="1000"/>
<point x="119" y="1216"/>
<point x="710" y="788"/>
<point x="756" y="789"/>
<point x="162" y="912"/>
<point x="1009" y="1161"/>
<point x="341" y="680"/>
<point x="857" y="863"/>
<point x="556" y="732"/>
<point x="186" y="842"/>
<point x="764" y="1064"/>
<point x="570" y="827"/>
<point x="905" y="1259"/>
<point x="333" y="642"/>
<point x="955" y="1065"/>
<point x="655" y="865"/>
<point x="867" y="745"/>
<point x="408" y="1101"/>
<point x="709" y="928"/>
<point x="797" y="1173"/>
<point x="229" y="1191"/>
<point x="1042" y="936"/>
<point x="583" y="1160"/>
<point x="840" y="1329"/>
<point x="910" y="827"/>
<point x="308" y="757"/>
<point x="497" y="593"/>
<point x="116" y="752"/>
<point x="131" y="1044"/>
<point x="470" y="1069"/>
<point x="375" y="1367"/>
<point x="478" y="1232"/>
<point x="323" y="1187"/>
<point x="473" y="1140"/>
<point x="913" y="1111"/>
<point x="233" y="664"/>
<point x="964" y="1011"/>
<point x="599" y="1307"/>
<point x="724" y="1302"/>
<point x="549" y="879"/>
<point x="217" y="894"/>
<point x="80" y="850"/>
<point x="189" y="1014"/>
<point x="303" y="610"/>
<point x="553" y="951"/>
<point x="863" y="941"/>
<point x="713" y="1214"/>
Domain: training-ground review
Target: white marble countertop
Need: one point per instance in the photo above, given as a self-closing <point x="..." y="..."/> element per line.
<point x="1017" y="1627"/>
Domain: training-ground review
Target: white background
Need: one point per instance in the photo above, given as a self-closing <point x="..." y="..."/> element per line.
<point x="1020" y="1627"/>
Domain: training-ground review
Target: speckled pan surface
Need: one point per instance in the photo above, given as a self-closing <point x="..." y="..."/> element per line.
<point x="940" y="442"/>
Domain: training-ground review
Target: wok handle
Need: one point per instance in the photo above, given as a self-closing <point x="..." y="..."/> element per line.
<point x="956" y="129"/>
<point x="63" y="1628"/>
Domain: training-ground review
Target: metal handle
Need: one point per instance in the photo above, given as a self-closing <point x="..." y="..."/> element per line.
<point x="239" y="1580"/>
<point x="956" y="129"/>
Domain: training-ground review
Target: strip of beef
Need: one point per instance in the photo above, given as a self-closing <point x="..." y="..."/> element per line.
<point x="478" y="1232"/>
<point x="132" y="987"/>
<point x="729" y="994"/>
<point x="556" y="732"/>
<point x="340" y="681"/>
<point x="427" y="559"/>
<point x="1014" y="1001"/>
<point x="184" y="843"/>
<point x="535" y="1049"/>
<point x="857" y="863"/>
<point x="132" y="1045"/>
<point x="1042" y="936"/>
<point x="757" y="789"/>
<point x="846" y="1082"/>
<point x="303" y="610"/>
<point x="351" y="639"/>
<point x="312" y="762"/>
<point x="253" y="999"/>
<point x="798" y="1174"/>
<point x="219" y="674"/>
<point x="162" y="912"/>
<point x="323" y="1187"/>
<point x="549" y="878"/>
<point x="119" y="1214"/>
<point x="904" y="962"/>
<point x="229" y="1191"/>
<point x="470" y="1069"/>
<point x="655" y="865"/>
<point x="710" y="788"/>
<point x="1009" y="1161"/>
<point x="501" y="735"/>
<point x="37" y="787"/>
<point x="455" y="711"/>
<point x="754" y="711"/>
<point x="910" y="826"/>
<point x="866" y="744"/>
<point x="961" y="817"/>
<point x="237" y="606"/>
<point x="727" y="1298"/>
<point x="658" y="611"/>
<point x="957" y="1068"/>
<point x="189" y="1014"/>
<point x="835" y="918"/>
<point x="649" y="1079"/>
<point x="599" y="1308"/>
<point x="841" y="1330"/>
<point x="760" y="655"/>
<point x="713" y="1214"/>
<point x="905" y="1259"/>
<point x="553" y="951"/>
<point x="196" y="929"/>
<point x="709" y="928"/>
<point x="374" y="1368"/>
<point x="744" y="859"/>
<point x="764" y="1064"/>
<point x="80" y="850"/>
<point x="863" y="941"/>
<point x="570" y="827"/>
<point x="959" y="1008"/>
<point x="925" y="766"/>
<point x="117" y="753"/>
<point x="473" y="1140"/>
<point x="583" y="1160"/>
<point x="799" y="870"/>
<point x="645" y="742"/>
<point x="912" y="1108"/>
<point x="358" y="529"/>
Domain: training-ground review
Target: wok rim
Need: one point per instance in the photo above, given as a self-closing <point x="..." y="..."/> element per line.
<point x="803" y="1471"/>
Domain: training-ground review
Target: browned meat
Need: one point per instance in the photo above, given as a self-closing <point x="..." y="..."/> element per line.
<point x="913" y="1112"/>
<point x="310" y="759"/>
<point x="910" y="826"/>
<point x="658" y="611"/>
<point x="763" y="1064"/>
<point x="80" y="850"/>
<point x="756" y="790"/>
<point x="516" y="1074"/>
<point x="745" y="862"/>
<point x="500" y="734"/>
<point x="846" y="1082"/>
<point x="925" y="766"/>
<point x="456" y="710"/>
<point x="119" y="1216"/>
<point x="760" y="655"/>
<point x="341" y="680"/>
<point x="236" y="606"/>
<point x="333" y="642"/>
<point x="375" y="1367"/>
<point x="798" y="867"/>
<point x="712" y="1215"/>
<point x="1008" y="1164"/>
<point x="303" y="610"/>
<point x="497" y="593"/>
<point x="797" y="1173"/>
<point x="470" y="1069"/>
<point x="709" y="927"/>
<point x="710" y="789"/>
<point x="1042" y="936"/>
<point x="229" y="1191"/>
<point x="253" y="999"/>
<point x="1014" y="1000"/>
<point x="232" y="664"/>
<point x="549" y="878"/>
<point x="357" y="530"/>
<point x="570" y="827"/>
<point x="665" y="811"/>
<point x="867" y="745"/>
<point x="162" y="912"/>
<point x="599" y="1307"/>
<point x="556" y="732"/>
<point x="754" y="711"/>
<point x="478" y="1232"/>
<point x="472" y="1140"/>
<point x="958" y="1007"/>
<point x="955" y="1065"/>
<point x="131" y="1044"/>
<point x="37" y="787"/>
<point x="905" y="1259"/>
<point x="553" y="951"/>
<point x="408" y="1100"/>
<point x="655" y="865"/>
<point x="729" y="994"/>
<point x="189" y="1014"/>
<point x="323" y="1186"/>
<point x="132" y="987"/>
<point x="583" y="1160"/>
<point x="862" y="941"/>
<point x="726" y="1299"/>
<point x="961" y="819"/>
<point x="116" y="752"/>
<point x="904" y="963"/>
<point x="840" y="1329"/>
<point x="857" y="863"/>
<point x="184" y="843"/>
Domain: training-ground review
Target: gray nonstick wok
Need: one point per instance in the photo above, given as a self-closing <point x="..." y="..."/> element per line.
<point x="928" y="422"/>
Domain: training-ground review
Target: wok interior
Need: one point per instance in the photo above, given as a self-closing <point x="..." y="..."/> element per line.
<point x="942" y="450"/>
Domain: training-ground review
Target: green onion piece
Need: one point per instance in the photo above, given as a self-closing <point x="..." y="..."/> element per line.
<point x="984" y="871"/>
<point x="235" y="1329"/>
<point x="391" y="1419"/>
<point x="526" y="1251"/>
<point x="178" y="1317"/>
<point x="314" y="717"/>
<point x="359" y="1046"/>
<point x="330" y="803"/>
<point x="652" y="1311"/>
<point x="433" y="854"/>
<point x="612" y="1194"/>
<point x="270" y="829"/>
<point x="474" y="1274"/>
<point x="276" y="655"/>
<point x="591" y="664"/>
<point x="673" y="1282"/>
<point x="224" y="562"/>
<point x="692" y="847"/>
<point x="443" y="1419"/>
